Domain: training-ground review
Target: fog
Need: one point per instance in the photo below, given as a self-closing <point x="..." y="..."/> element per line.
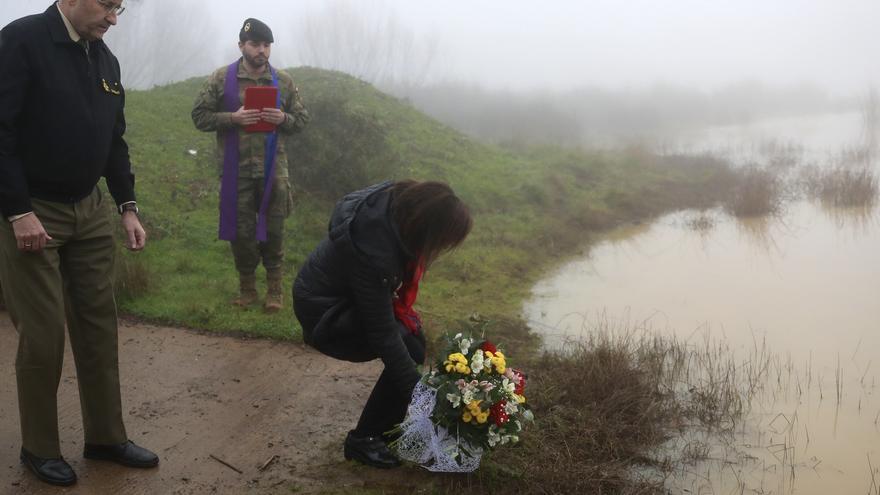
<point x="637" y="58"/>
<point x="563" y="44"/>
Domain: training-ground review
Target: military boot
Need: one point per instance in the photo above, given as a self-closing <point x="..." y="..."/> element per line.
<point x="274" y="298"/>
<point x="247" y="290"/>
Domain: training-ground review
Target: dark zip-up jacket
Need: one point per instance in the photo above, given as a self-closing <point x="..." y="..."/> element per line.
<point x="358" y="267"/>
<point x="61" y="116"/>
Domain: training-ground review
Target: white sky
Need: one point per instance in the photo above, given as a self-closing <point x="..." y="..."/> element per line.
<point x="608" y="43"/>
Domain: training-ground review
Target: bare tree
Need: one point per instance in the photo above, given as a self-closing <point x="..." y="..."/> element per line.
<point x="156" y="47"/>
<point x="368" y="42"/>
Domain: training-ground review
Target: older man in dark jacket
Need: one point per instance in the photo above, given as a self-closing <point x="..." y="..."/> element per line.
<point x="61" y="128"/>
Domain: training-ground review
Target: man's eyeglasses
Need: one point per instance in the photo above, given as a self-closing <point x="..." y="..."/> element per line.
<point x="111" y="8"/>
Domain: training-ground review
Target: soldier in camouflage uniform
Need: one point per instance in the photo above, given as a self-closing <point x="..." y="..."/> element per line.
<point x="209" y="114"/>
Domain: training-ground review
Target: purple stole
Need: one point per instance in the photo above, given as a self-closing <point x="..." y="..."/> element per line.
<point x="229" y="183"/>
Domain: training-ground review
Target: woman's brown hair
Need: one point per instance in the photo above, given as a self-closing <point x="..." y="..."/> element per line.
<point x="431" y="219"/>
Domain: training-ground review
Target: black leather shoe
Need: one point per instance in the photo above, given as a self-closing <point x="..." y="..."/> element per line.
<point x="53" y="471"/>
<point x="128" y="454"/>
<point x="368" y="450"/>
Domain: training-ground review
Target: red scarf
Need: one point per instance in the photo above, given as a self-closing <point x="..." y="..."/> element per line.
<point x="406" y="295"/>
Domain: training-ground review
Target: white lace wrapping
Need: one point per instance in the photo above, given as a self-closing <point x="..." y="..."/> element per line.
<point x="432" y="447"/>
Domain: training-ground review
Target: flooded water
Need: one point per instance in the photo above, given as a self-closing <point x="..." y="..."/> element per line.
<point x="805" y="284"/>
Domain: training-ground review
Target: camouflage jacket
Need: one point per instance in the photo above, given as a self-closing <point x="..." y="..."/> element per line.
<point x="209" y="115"/>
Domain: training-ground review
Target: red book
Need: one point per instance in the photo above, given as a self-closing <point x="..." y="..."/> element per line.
<point x="260" y="97"/>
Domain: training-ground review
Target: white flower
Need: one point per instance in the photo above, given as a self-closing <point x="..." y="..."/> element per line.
<point x="452" y="451"/>
<point x="455" y="399"/>
<point x="477" y="362"/>
<point x="511" y="407"/>
<point x="465" y="345"/>
<point x="528" y="416"/>
<point x="457" y="336"/>
<point x="508" y="386"/>
<point x="494" y="437"/>
<point x="468" y="389"/>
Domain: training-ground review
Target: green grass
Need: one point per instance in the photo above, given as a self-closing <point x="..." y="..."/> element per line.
<point x="533" y="207"/>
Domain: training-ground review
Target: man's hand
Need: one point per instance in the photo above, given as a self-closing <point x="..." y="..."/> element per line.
<point x="136" y="236"/>
<point x="273" y="116"/>
<point x="244" y="117"/>
<point x="30" y="235"/>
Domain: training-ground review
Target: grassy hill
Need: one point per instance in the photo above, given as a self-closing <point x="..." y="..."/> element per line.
<point x="532" y="206"/>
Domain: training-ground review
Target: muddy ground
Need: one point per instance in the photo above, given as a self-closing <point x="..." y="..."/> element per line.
<point x="189" y="396"/>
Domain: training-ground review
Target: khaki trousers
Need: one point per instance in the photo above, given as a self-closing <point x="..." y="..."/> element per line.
<point x="69" y="280"/>
<point x="246" y="250"/>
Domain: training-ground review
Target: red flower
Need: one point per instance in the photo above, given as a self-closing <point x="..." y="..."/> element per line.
<point x="498" y="414"/>
<point x="488" y="347"/>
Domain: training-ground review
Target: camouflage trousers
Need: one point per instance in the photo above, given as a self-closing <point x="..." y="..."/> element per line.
<point x="246" y="250"/>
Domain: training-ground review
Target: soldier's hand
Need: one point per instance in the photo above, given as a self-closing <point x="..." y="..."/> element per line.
<point x="273" y="116"/>
<point x="135" y="235"/>
<point x="244" y="117"/>
<point x="30" y="235"/>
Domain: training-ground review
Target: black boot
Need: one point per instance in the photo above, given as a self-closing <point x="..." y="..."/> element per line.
<point x="127" y="454"/>
<point x="369" y="450"/>
<point x="53" y="471"/>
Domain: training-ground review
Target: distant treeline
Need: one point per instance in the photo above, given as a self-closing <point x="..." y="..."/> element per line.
<point x="598" y="116"/>
<point x="370" y="42"/>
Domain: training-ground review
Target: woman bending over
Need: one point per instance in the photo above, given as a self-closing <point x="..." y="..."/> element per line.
<point x="354" y="295"/>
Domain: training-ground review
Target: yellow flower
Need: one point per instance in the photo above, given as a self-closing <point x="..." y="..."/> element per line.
<point x="456" y="361"/>
<point x="497" y="360"/>
<point x="457" y="357"/>
<point x="499" y="363"/>
<point x="520" y="398"/>
<point x="474" y="411"/>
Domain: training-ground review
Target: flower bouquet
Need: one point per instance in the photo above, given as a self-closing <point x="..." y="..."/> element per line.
<point x="469" y="403"/>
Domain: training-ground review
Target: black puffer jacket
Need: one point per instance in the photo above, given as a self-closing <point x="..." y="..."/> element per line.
<point x="346" y="286"/>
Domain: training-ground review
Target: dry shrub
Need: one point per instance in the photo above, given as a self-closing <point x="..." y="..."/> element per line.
<point x="853" y="156"/>
<point x="132" y="277"/>
<point x="780" y="155"/>
<point x="841" y="186"/>
<point x="755" y="192"/>
<point x="701" y="222"/>
<point x="614" y="412"/>
<point x="599" y="410"/>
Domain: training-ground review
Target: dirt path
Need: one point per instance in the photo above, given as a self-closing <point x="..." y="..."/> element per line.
<point x="188" y="396"/>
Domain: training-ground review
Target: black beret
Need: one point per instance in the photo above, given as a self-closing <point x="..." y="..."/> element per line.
<point x="254" y="30"/>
